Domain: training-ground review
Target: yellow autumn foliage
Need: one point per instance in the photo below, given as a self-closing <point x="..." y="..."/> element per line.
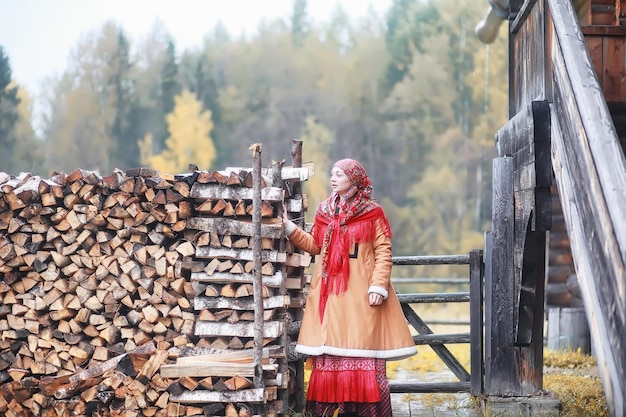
<point x="189" y="141"/>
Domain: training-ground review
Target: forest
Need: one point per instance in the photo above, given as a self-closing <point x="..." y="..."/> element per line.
<point x="411" y="93"/>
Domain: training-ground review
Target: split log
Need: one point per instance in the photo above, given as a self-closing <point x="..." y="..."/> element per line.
<point x="271" y="228"/>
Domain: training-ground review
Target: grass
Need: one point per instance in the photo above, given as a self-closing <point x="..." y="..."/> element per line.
<point x="572" y="376"/>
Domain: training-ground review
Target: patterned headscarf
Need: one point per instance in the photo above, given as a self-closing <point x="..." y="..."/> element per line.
<point x="335" y="230"/>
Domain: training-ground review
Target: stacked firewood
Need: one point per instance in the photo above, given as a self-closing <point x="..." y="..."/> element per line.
<point x="97" y="301"/>
<point x="223" y="280"/>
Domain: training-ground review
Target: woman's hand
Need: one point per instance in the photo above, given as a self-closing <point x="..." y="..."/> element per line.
<point x="375" y="299"/>
<point x="285" y="215"/>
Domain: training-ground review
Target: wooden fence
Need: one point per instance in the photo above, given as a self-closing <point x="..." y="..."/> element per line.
<point x="471" y="381"/>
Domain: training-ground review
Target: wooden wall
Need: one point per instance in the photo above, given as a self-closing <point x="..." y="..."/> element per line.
<point x="606" y="46"/>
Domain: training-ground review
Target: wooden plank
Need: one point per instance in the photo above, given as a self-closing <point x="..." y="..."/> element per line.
<point x="213" y="191"/>
<point x="595" y="273"/>
<point x="527" y="64"/>
<point x="596" y="49"/>
<point x="476" y="322"/>
<point x="271" y="329"/>
<point x="614" y="72"/>
<point x="591" y="174"/>
<point x="272" y="228"/>
<point x="431" y="260"/>
<point x="531" y="313"/>
<point x="286" y="173"/>
<point x="402" y="387"/>
<point x="200" y="303"/>
<point x="272" y="281"/>
<point x="442" y="351"/>
<point x="440" y="339"/>
<point x="295" y="204"/>
<point x="236" y="356"/>
<point x="254" y="395"/>
<point x="449" y="297"/>
<point x="240" y="254"/>
<point x="202" y="368"/>
<point x="501" y="378"/>
<point x="181" y="353"/>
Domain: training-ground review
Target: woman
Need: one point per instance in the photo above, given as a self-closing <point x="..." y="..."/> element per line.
<point x="353" y="321"/>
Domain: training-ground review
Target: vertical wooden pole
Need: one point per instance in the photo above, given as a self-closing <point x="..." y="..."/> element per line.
<point x="257" y="283"/>
<point x="476" y="321"/>
<point x="501" y="373"/>
<point x="531" y="356"/>
<point x="283" y="366"/>
<point x="296" y="162"/>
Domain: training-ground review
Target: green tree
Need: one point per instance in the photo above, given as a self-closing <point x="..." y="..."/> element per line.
<point x="121" y="85"/>
<point x="28" y="153"/>
<point x="170" y="86"/>
<point x="91" y="123"/>
<point x="409" y="25"/>
<point x="299" y="22"/>
<point x="9" y="114"/>
<point x="156" y="83"/>
<point x="189" y="140"/>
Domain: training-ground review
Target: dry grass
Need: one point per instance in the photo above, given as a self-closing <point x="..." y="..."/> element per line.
<point x="574" y="378"/>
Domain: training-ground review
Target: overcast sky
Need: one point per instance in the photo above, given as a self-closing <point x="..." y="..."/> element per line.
<point x="38" y="35"/>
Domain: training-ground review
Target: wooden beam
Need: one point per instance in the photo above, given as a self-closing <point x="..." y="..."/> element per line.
<point x="271" y="329"/>
<point x="476" y="322"/>
<point x="213" y="191"/>
<point x="240" y="254"/>
<point x="202" y="368"/>
<point x="200" y="303"/>
<point x="255" y="395"/>
<point x="501" y="377"/>
<point x="272" y="228"/>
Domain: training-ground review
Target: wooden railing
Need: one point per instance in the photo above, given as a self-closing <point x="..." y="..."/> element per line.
<point x="590" y="172"/>
<point x="472" y="381"/>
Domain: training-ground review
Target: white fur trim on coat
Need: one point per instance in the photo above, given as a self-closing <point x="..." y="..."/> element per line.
<point x="379" y="290"/>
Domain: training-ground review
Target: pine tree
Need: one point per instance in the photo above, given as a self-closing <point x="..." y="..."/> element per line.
<point x="9" y="102"/>
<point x="299" y="23"/>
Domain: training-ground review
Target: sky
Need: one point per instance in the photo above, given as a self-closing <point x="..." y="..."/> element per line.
<point x="38" y="35"/>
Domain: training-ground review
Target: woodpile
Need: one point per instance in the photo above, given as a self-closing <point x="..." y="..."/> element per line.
<point x="131" y="294"/>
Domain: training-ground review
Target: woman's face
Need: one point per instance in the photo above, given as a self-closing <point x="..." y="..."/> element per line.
<point x="339" y="181"/>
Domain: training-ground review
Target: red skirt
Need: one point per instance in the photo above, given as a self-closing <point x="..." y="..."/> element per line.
<point x="358" y="385"/>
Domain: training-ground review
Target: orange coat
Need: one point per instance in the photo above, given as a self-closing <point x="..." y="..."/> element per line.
<point x="351" y="327"/>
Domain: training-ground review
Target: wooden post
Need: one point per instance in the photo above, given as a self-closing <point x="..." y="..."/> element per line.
<point x="283" y="366"/>
<point x="530" y="355"/>
<point x="296" y="162"/>
<point x="501" y="373"/>
<point x="476" y="322"/>
<point x="257" y="282"/>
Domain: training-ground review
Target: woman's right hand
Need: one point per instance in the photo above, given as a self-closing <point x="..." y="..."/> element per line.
<point x="285" y="215"/>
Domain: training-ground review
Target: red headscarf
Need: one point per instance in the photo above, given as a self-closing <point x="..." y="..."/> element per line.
<point x="336" y="230"/>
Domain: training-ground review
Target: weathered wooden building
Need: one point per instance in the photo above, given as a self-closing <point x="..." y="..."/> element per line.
<point x="563" y="152"/>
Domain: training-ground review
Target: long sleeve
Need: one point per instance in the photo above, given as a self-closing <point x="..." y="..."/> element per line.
<point x="381" y="275"/>
<point x="302" y="239"/>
